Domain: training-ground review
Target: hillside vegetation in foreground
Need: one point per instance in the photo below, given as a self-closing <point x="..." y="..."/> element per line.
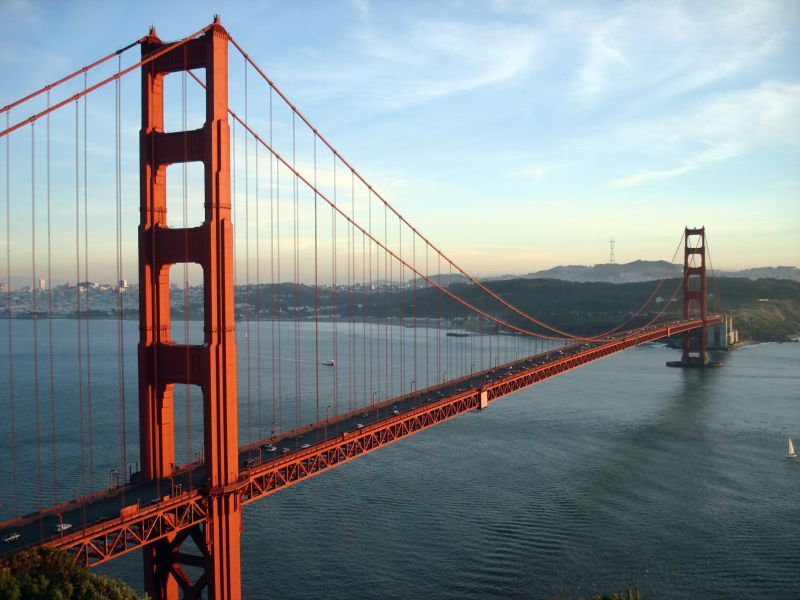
<point x="47" y="574"/>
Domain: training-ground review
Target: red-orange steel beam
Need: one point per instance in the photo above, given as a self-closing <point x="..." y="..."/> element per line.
<point x="695" y="295"/>
<point x="165" y="520"/>
<point x="137" y="527"/>
<point x="212" y="364"/>
<point x="263" y="480"/>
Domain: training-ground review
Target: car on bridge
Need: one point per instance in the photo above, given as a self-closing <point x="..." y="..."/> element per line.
<point x="11" y="537"/>
<point x="62" y="527"/>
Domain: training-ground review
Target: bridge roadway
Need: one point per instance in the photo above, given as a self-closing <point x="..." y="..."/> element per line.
<point x="101" y="529"/>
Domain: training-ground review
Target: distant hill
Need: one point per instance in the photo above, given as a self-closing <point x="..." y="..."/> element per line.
<point x="792" y="273"/>
<point x="647" y="270"/>
<point x="632" y="272"/>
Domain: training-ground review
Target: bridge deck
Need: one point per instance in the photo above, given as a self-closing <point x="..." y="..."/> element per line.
<point x="157" y="509"/>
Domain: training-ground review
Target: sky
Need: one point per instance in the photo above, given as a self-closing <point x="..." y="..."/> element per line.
<point x="516" y="135"/>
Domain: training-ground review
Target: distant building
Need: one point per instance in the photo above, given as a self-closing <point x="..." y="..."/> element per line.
<point x="42" y="285"/>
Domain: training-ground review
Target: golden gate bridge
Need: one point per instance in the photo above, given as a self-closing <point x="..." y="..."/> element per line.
<point x="354" y="329"/>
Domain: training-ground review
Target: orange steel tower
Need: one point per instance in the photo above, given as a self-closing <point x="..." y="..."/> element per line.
<point x="211" y="365"/>
<point x="695" y="295"/>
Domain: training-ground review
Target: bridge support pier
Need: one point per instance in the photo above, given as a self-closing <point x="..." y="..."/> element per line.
<point x="695" y="301"/>
<point x="210" y="365"/>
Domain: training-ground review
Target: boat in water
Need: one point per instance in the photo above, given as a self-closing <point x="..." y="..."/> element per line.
<point x="329" y="363"/>
<point x="792" y="451"/>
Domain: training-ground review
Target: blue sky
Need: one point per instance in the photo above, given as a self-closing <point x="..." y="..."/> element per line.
<point x="517" y="135"/>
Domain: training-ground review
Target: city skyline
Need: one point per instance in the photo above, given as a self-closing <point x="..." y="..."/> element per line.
<point x="491" y="126"/>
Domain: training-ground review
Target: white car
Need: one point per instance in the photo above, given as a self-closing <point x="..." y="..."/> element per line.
<point x="304" y="446"/>
<point x="270" y="448"/>
<point x="11" y="537"/>
<point x="62" y="527"/>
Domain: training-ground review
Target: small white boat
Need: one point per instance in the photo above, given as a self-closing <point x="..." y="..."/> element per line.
<point x="329" y="363"/>
<point x="792" y="451"/>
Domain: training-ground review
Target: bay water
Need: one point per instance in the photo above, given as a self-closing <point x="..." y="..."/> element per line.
<point x="621" y="474"/>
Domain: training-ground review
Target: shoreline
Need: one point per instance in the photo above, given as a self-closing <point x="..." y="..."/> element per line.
<point x="790" y="338"/>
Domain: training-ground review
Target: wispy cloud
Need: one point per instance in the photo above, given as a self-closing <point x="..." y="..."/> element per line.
<point x="603" y="60"/>
<point x="724" y="126"/>
<point x="712" y="155"/>
<point x="630" y="52"/>
<point x="427" y="59"/>
<point x="535" y="173"/>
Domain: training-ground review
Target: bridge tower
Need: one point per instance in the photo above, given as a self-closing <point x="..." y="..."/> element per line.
<point x="211" y="365"/>
<point x="695" y="296"/>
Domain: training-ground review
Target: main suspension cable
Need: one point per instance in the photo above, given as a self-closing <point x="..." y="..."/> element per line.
<point x="382" y="245"/>
<point x="85" y="69"/>
<point x="147" y="59"/>
<point x="336" y="154"/>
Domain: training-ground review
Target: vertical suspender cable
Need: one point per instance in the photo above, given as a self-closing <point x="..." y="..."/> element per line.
<point x="393" y="308"/>
<point x="380" y="343"/>
<point x="236" y="221"/>
<point x="259" y="395"/>
<point x="351" y="276"/>
<point x="402" y="308"/>
<point x="439" y="317"/>
<point x="11" y="411"/>
<point x="387" y="276"/>
<point x="272" y="271"/>
<point x="364" y="316"/>
<point x="53" y="456"/>
<point x="247" y="298"/>
<point x="120" y="329"/>
<point x="333" y="297"/>
<point x="296" y="273"/>
<point x="472" y="350"/>
<point x="34" y="320"/>
<point x="425" y="291"/>
<point x="316" y="289"/>
<point x="279" y="288"/>
<point x="78" y="295"/>
<point x="414" y="313"/>
<point x="372" y="283"/>
<point x="448" y="342"/>
<point x="88" y="287"/>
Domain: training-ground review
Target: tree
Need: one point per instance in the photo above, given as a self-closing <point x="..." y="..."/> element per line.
<point x="45" y="573"/>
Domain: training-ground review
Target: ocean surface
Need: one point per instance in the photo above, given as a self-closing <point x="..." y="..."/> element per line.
<point x="621" y="474"/>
